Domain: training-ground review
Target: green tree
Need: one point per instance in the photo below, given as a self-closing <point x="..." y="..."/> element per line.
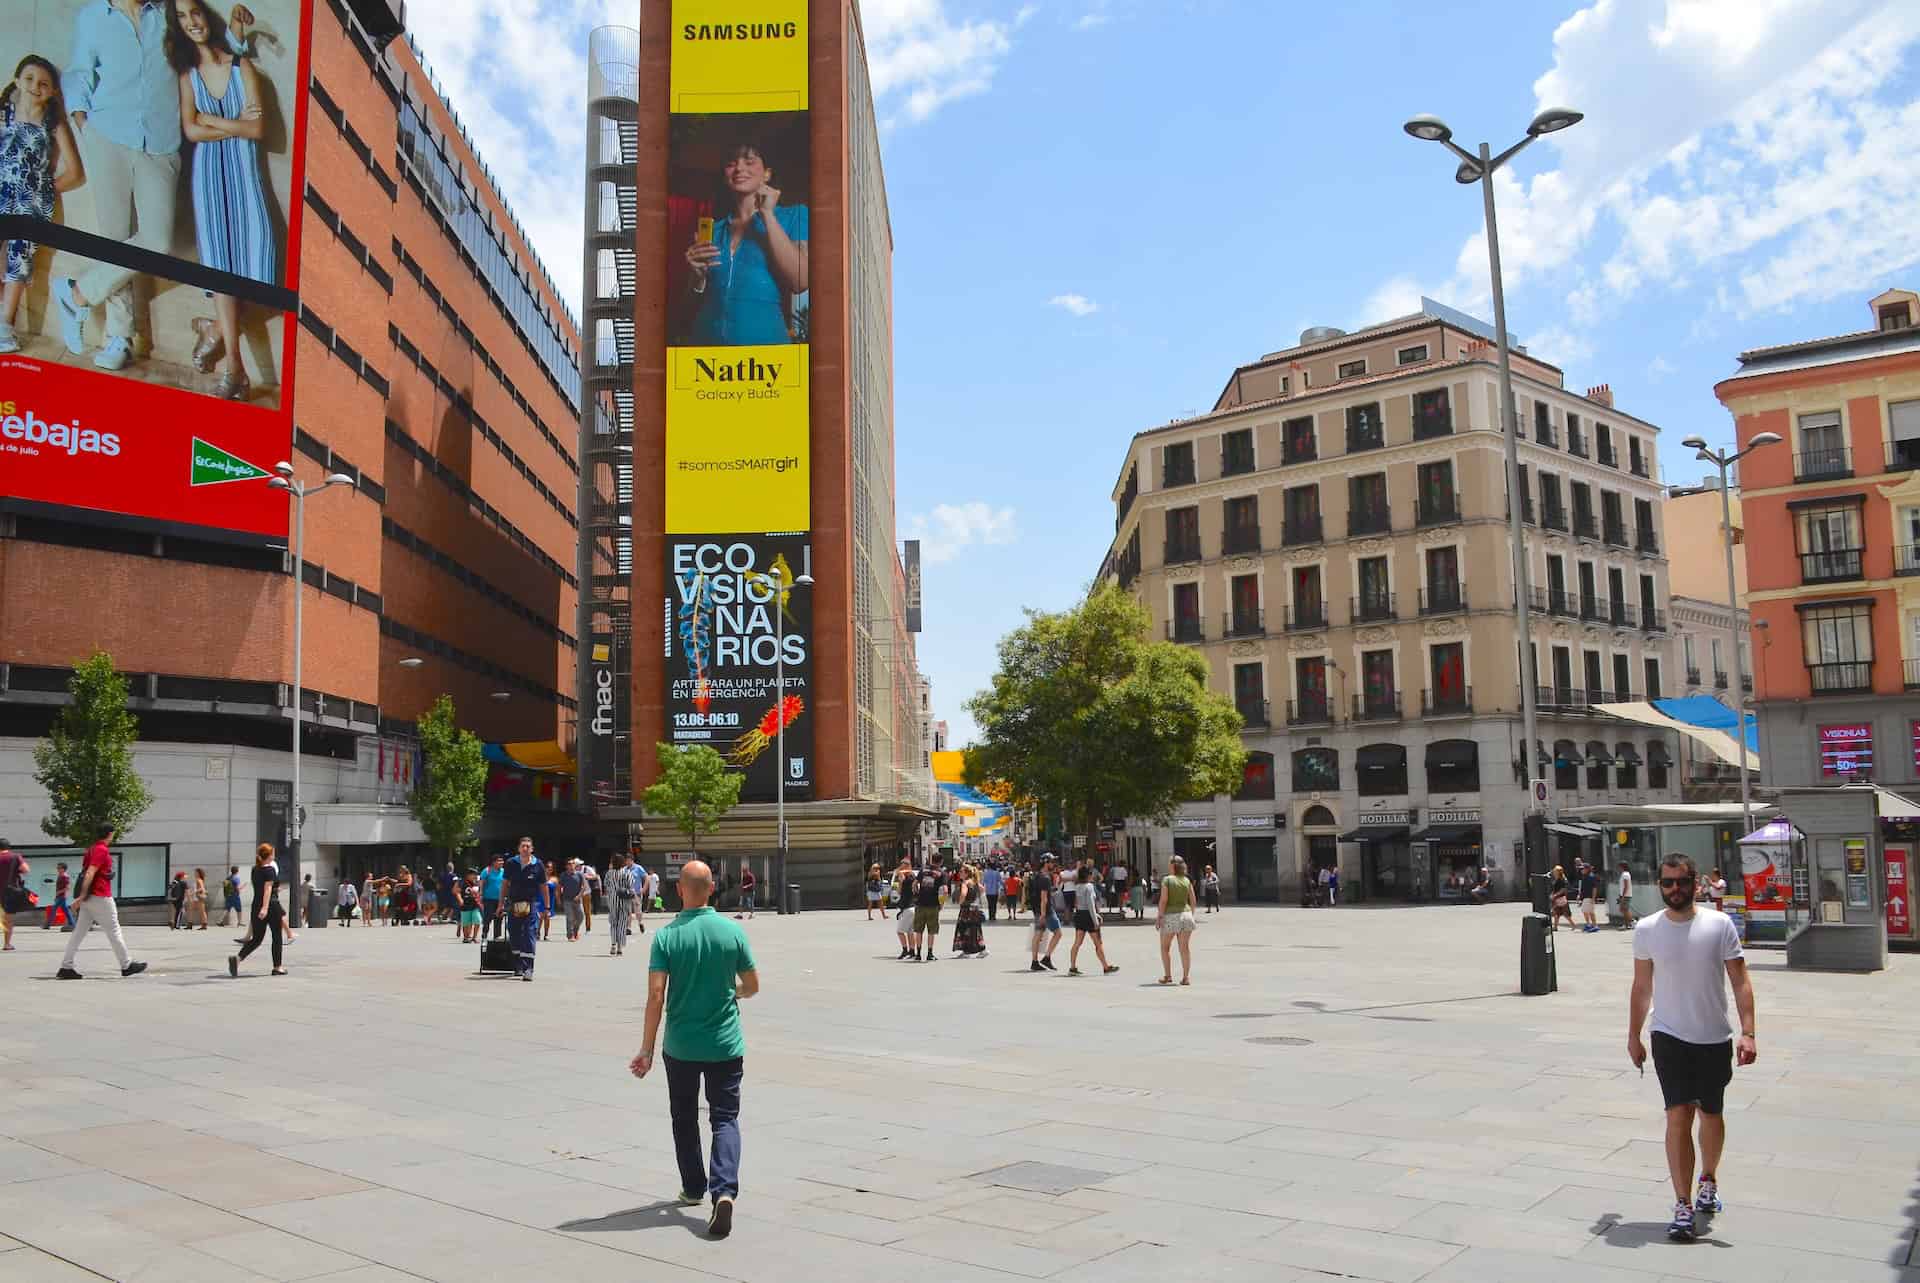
<point x="86" y="761"/>
<point x="1084" y="711"/>
<point x="452" y="790"/>
<point x="695" y="788"/>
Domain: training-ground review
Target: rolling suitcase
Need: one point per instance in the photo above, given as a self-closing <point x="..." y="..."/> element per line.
<point x="496" y="955"/>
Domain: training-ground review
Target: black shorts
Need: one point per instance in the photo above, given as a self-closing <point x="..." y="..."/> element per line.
<point x="1693" y="1073"/>
<point x="1086" y="920"/>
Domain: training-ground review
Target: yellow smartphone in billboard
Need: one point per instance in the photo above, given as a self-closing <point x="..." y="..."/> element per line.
<point x="703" y="231"/>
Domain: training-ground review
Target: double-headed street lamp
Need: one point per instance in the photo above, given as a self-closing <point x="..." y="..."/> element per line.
<point x="1480" y="169"/>
<point x="299" y="490"/>
<point x="780" y="738"/>
<point x="1724" y="459"/>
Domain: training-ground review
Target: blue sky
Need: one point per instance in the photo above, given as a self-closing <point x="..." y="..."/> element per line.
<point x="1101" y="206"/>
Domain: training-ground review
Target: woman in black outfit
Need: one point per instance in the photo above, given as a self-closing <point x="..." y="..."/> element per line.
<point x="268" y="916"/>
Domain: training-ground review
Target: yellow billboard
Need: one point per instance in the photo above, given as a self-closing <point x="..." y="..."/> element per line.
<point x="738" y="56"/>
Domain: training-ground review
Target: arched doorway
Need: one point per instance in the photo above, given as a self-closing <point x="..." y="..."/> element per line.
<point x="1320" y="847"/>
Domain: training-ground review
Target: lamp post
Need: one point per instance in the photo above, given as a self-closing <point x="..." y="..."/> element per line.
<point x="1724" y="460"/>
<point x="1480" y="169"/>
<point x="780" y="739"/>
<point x="299" y="490"/>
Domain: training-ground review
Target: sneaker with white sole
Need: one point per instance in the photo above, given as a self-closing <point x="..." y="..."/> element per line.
<point x="1680" y="1229"/>
<point x="114" y="354"/>
<point x="1707" y="1197"/>
<point x="72" y="316"/>
<point x="9" y="341"/>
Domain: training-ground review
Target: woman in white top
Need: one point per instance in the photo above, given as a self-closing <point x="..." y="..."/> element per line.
<point x="1086" y="922"/>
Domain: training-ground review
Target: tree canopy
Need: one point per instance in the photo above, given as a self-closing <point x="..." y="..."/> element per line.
<point x="1086" y="712"/>
<point x="695" y="788"/>
<point x="86" y="761"/>
<point x="452" y="792"/>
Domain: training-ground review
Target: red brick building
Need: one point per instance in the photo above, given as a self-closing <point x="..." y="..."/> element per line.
<point x="437" y="366"/>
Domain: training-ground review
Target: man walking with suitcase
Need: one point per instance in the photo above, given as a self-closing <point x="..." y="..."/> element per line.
<point x="699" y="971"/>
<point x="523" y="883"/>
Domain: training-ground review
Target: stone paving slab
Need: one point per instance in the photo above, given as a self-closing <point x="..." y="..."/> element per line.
<point x="1355" y="1093"/>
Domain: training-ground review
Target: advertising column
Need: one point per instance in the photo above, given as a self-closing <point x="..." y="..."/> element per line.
<point x="737" y="423"/>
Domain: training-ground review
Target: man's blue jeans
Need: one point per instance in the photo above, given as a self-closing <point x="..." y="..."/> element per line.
<point x="723" y="1115"/>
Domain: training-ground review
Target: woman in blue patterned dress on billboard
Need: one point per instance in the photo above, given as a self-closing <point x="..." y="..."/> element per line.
<point x="38" y="160"/>
<point x="223" y="116"/>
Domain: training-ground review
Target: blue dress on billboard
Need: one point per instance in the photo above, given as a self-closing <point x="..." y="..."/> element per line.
<point x="743" y="304"/>
<point x="230" y="220"/>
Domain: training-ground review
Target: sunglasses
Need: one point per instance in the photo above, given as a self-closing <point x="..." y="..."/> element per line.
<point x="1676" y="882"/>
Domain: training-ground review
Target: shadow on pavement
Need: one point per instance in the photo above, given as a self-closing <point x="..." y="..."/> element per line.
<point x="661" y="1215"/>
<point x="1614" y="1232"/>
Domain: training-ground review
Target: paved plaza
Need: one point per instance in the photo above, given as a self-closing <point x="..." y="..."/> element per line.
<point x="1355" y="1094"/>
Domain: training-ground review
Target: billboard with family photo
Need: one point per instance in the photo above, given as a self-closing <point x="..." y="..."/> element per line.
<point x="150" y="171"/>
<point x="737" y="411"/>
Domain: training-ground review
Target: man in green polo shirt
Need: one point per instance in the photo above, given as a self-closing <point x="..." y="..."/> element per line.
<point x="701" y="968"/>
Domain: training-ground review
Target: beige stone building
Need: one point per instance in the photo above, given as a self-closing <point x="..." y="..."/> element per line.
<point x="1333" y="536"/>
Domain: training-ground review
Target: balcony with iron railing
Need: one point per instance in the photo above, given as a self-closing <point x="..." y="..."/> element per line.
<point x="1851" y="677"/>
<point x="1567" y="698"/>
<point x="1652" y="619"/>
<point x="1365" y="439"/>
<point x="1834" y="565"/>
<point x="1307" y="617"/>
<point x="1693" y="674"/>
<point x="1823" y="465"/>
<point x="1585" y="525"/>
<point x="1176" y="551"/>
<point x="1593" y="607"/>
<point x="1437" y="509"/>
<point x="1645" y="541"/>
<point x="1903" y="455"/>
<point x="1446" y="703"/>
<point x="1311" y="710"/>
<point x="1373" y="607"/>
<point x="1719" y="680"/>
<point x="1613" y="533"/>
<point x="1381" y="707"/>
<point x="1553" y="515"/>
<point x="1637" y="465"/>
<point x="1186" y="628"/>
<point x="1370" y="519"/>
<point x="1426" y="429"/>
<point x="1443" y="597"/>
<point x="1299" y="449"/>
<point x="1234" y="539"/>
<point x="1912" y="667"/>
<point x="1577" y="443"/>
<point x="1250" y="621"/>
<point x="1625" y="614"/>
<point x="1546" y="434"/>
<point x="1300" y="529"/>
<point x="1176" y="474"/>
<point x="1254" y="712"/>
<point x="1235" y="462"/>
<point x="1607" y="455"/>
<point x="1562" y="602"/>
<point x="1746" y="683"/>
<point x="1906" y="559"/>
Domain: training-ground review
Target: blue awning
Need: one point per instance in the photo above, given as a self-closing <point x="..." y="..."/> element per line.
<point x="1708" y="712"/>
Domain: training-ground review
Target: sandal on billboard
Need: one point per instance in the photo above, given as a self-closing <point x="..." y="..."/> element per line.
<point x="207" y="349"/>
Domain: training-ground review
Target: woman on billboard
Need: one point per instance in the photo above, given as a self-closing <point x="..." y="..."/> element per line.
<point x="747" y="265"/>
<point x="222" y="115"/>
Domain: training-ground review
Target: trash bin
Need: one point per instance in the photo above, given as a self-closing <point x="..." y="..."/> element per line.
<point x="1541" y="887"/>
<point x="317" y="908"/>
<point x="793" y="897"/>
<point x="1537" y="973"/>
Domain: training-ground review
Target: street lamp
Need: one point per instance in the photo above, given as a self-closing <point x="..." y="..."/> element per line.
<point x="299" y="490"/>
<point x="1480" y="169"/>
<point x="1724" y="460"/>
<point x="780" y="740"/>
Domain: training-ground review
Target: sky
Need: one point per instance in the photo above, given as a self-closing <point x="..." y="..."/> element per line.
<point x="1101" y="207"/>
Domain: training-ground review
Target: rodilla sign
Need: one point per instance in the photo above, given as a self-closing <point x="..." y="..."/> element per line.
<point x="71" y="439"/>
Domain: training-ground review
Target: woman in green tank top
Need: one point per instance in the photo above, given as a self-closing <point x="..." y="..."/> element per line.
<point x="1176" y="922"/>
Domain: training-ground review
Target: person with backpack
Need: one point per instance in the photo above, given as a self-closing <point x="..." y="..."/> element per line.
<point x="176" y="899"/>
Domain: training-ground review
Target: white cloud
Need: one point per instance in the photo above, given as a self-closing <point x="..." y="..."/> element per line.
<point x="950" y="528"/>
<point x="1025" y="15"/>
<point x="1094" y="17"/>
<point x="1078" y="304"/>
<point x="1659" y="368"/>
<point x="1753" y="151"/>
<point x="922" y="58"/>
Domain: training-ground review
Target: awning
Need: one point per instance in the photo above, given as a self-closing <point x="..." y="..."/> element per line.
<point x="1657" y="754"/>
<point x="1546" y="758"/>
<point x="1892" y="806"/>
<point x="1449" y="834"/>
<point x="1666" y="715"/>
<point x="1376" y="833"/>
<point x="1774" y="833"/>
<point x="1380" y="757"/>
<point x="531" y="755"/>
<point x="1453" y="753"/>
<point x="1597" y="754"/>
<point x="1566" y="829"/>
<point x="1626" y="754"/>
<point x="1567" y="753"/>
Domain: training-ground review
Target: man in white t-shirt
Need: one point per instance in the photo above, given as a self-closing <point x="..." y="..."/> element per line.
<point x="1623" y="899"/>
<point x="1683" y="960"/>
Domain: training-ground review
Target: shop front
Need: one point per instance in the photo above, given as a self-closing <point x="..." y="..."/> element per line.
<point x="1386" y="870"/>
<point x="1193" y="841"/>
<point x="1454" y="852"/>
<point x="1256" y="868"/>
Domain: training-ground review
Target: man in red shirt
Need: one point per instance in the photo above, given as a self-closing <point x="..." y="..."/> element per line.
<point x="93" y="906"/>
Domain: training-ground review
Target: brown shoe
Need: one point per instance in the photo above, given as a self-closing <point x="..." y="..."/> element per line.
<point x="234" y="386"/>
<point x="207" y="350"/>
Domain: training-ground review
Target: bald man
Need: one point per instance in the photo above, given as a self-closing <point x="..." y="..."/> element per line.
<point x="700" y="969"/>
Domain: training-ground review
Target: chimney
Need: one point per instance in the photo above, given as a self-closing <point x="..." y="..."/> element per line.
<point x="1602" y="395"/>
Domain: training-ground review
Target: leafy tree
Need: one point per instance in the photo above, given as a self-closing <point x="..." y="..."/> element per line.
<point x="452" y="790"/>
<point x="695" y="788"/>
<point x="1085" y="711"/>
<point x="86" y="761"/>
